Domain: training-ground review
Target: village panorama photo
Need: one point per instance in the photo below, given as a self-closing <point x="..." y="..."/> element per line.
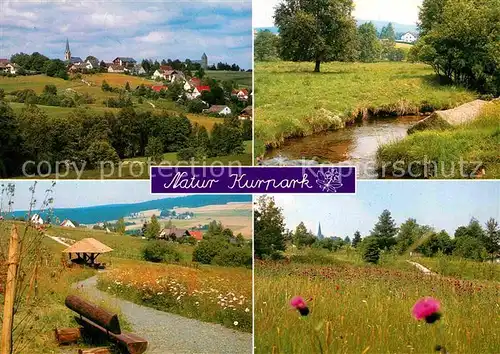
<point x="115" y="87"/>
<point x="98" y="268"/>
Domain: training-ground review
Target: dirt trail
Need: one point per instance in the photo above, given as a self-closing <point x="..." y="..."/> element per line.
<point x="59" y="240"/>
<point x="168" y="333"/>
<point x="422" y="268"/>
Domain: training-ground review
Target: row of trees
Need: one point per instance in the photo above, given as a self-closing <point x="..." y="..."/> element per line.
<point x="39" y="63"/>
<point x="367" y="46"/>
<point x="470" y="241"/>
<point x="83" y="136"/>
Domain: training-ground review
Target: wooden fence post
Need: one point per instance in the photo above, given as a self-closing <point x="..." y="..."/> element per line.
<point x="10" y="291"/>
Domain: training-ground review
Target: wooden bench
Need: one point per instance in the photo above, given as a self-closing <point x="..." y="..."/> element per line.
<point x="95" y="319"/>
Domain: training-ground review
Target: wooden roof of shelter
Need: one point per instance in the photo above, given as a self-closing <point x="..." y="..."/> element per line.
<point x="88" y="245"/>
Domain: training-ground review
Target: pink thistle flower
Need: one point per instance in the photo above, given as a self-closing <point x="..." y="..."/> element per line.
<point x="298" y="303"/>
<point x="427" y="308"/>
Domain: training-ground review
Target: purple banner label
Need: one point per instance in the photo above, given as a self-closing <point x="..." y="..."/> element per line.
<point x="247" y="180"/>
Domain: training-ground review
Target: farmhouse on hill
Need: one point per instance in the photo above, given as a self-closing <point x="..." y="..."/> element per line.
<point x="8" y="67"/>
<point x="173" y="233"/>
<point x="218" y="109"/>
<point x="409" y="37"/>
<point x="138" y="70"/>
<point x="124" y="61"/>
<point x="116" y="68"/>
<point x="68" y="223"/>
<point x="242" y="94"/>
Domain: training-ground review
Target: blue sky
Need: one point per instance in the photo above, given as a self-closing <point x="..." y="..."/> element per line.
<point x="400" y="11"/>
<point x="71" y="194"/>
<point x="443" y="205"/>
<point x="154" y="29"/>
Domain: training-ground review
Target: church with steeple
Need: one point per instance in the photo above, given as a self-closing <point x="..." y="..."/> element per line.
<point x="320" y="234"/>
<point x="67" y="55"/>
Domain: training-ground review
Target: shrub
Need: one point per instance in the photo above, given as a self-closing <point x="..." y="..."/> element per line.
<point x="370" y="251"/>
<point x="161" y="251"/>
<point x="234" y="257"/>
<point x="206" y="250"/>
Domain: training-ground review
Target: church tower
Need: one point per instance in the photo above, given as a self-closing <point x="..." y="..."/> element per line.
<point x="320" y="235"/>
<point x="67" y="54"/>
<point x="204" y="61"/>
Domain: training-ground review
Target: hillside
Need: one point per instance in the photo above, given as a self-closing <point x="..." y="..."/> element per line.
<point x="95" y="214"/>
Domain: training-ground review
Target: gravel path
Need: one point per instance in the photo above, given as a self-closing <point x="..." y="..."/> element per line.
<point x="168" y="333"/>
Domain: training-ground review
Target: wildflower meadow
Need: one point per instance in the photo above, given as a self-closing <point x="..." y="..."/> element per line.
<point x="371" y="309"/>
<point x="208" y="293"/>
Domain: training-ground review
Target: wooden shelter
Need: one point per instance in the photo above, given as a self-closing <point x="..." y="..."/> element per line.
<point x="86" y="251"/>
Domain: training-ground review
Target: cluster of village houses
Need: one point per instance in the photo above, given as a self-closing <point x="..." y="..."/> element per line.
<point x="171" y="233"/>
<point x="193" y="86"/>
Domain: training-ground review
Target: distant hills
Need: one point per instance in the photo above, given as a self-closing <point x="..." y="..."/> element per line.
<point x="101" y="213"/>
<point x="398" y="27"/>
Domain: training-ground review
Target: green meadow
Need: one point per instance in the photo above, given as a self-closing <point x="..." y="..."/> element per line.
<point x="291" y="100"/>
<point x="441" y="150"/>
<point x="242" y="78"/>
<point x="360" y="308"/>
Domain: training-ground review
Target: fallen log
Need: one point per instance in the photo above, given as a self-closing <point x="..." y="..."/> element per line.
<point x="102" y="350"/>
<point x="129" y="342"/>
<point x="67" y="335"/>
<point x="94" y="313"/>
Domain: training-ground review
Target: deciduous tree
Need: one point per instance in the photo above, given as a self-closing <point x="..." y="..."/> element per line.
<point x="316" y="30"/>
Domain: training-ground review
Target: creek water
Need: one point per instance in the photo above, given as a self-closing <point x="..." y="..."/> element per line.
<point x="354" y="145"/>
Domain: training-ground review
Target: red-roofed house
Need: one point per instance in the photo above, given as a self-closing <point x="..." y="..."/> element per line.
<point x="158" y="88"/>
<point x="166" y="68"/>
<point x="198" y="235"/>
<point x="241" y="94"/>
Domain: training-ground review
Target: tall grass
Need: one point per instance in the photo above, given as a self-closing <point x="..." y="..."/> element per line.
<point x="368" y="310"/>
<point x="475" y="143"/>
<point x="291" y="100"/>
<point x="53" y="284"/>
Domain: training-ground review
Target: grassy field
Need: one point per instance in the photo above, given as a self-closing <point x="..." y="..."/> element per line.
<point x="367" y="309"/>
<point x="475" y="143"/>
<point x="243" y="79"/>
<point x="403" y="45"/>
<point x="207" y="293"/>
<point x="38" y="82"/>
<point x="291" y="100"/>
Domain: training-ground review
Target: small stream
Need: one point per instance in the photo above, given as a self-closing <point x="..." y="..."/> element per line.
<point x="355" y="145"/>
